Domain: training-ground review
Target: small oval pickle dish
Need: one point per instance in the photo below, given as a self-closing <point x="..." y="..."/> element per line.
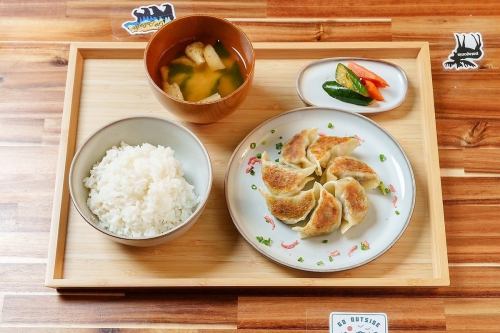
<point x="353" y="84"/>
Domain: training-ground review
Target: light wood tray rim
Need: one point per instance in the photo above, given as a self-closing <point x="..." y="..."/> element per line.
<point x="80" y="51"/>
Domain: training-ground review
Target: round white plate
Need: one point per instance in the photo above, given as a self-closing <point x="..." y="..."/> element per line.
<point x="312" y="77"/>
<point x="386" y="220"/>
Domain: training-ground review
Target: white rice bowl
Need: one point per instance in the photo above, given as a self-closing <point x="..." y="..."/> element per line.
<point x="139" y="191"/>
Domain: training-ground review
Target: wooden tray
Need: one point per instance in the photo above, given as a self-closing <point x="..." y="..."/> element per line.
<point x="106" y="82"/>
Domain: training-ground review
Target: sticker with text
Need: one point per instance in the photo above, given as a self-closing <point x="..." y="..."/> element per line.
<point x="468" y="50"/>
<point x="352" y="322"/>
<point x="149" y="18"/>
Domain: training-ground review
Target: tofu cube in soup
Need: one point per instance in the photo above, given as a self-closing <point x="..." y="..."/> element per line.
<point x="195" y="52"/>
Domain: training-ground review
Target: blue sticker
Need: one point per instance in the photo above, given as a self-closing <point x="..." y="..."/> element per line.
<point x="149" y="18"/>
<point x="468" y="49"/>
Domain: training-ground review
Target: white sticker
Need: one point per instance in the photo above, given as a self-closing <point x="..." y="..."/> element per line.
<point x="468" y="50"/>
<point x="149" y="18"/>
<point x="352" y="322"/>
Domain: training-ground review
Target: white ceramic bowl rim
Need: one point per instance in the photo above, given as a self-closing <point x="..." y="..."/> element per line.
<point x="200" y="207"/>
<point x="283" y="263"/>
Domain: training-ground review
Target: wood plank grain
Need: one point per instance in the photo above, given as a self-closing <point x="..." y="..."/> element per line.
<point x="467" y="96"/>
<point x="25" y="216"/>
<point x="482" y="160"/>
<point x="325" y="330"/>
<point x="467" y="280"/>
<point x="451" y="158"/>
<point x="477" y="190"/>
<point x="472" y="220"/>
<point x="320" y="331"/>
<point x="472" y="233"/>
<point x="26" y="183"/>
<point x="343" y="8"/>
<point x="111" y="329"/>
<point x="21" y="131"/>
<point x="460" y="315"/>
<point x="37" y="8"/>
<point x="473" y="281"/>
<point x="25" y="198"/>
<point x="32" y="79"/>
<point x="29" y="131"/>
<point x="101" y="29"/>
<point x="24" y="244"/>
<point x="312" y="312"/>
<point x="457" y="94"/>
<point x="465" y="315"/>
<point x="121" y="10"/>
<point x="74" y="309"/>
<point x="28" y="160"/>
<point x="470" y="133"/>
<point x="264" y="31"/>
<point x="443" y="27"/>
<point x="55" y="29"/>
<point x="22" y="278"/>
<point x="166" y="330"/>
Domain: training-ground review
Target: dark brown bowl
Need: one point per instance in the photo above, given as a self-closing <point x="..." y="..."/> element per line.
<point x="172" y="37"/>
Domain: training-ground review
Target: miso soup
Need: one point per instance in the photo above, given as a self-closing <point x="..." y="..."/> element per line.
<point x="201" y="72"/>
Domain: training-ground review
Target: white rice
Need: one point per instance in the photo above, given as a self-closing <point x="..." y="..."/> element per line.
<point x="139" y="191"/>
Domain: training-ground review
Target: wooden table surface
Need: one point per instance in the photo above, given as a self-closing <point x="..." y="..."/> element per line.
<point x="34" y="39"/>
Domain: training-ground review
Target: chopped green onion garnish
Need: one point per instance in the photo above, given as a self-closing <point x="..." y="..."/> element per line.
<point x="281" y="137"/>
<point x="279" y="146"/>
<point x="300" y="259"/>
<point x="324" y="241"/>
<point x="381" y="187"/>
<point x="264" y="241"/>
<point x="330" y="125"/>
<point x="263" y="142"/>
<point x="382" y="157"/>
<point x="320" y="263"/>
<point x="253" y="145"/>
<point x="279" y="153"/>
<point x="277" y="160"/>
<point x="384" y="190"/>
<point x="252" y="172"/>
<point x="273" y="130"/>
<point x="365" y="246"/>
<point x="259" y="155"/>
<point x="330" y="258"/>
<point x="254" y="187"/>
<point x="397" y="212"/>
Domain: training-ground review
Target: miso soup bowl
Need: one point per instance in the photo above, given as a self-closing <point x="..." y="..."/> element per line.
<point x="187" y="29"/>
